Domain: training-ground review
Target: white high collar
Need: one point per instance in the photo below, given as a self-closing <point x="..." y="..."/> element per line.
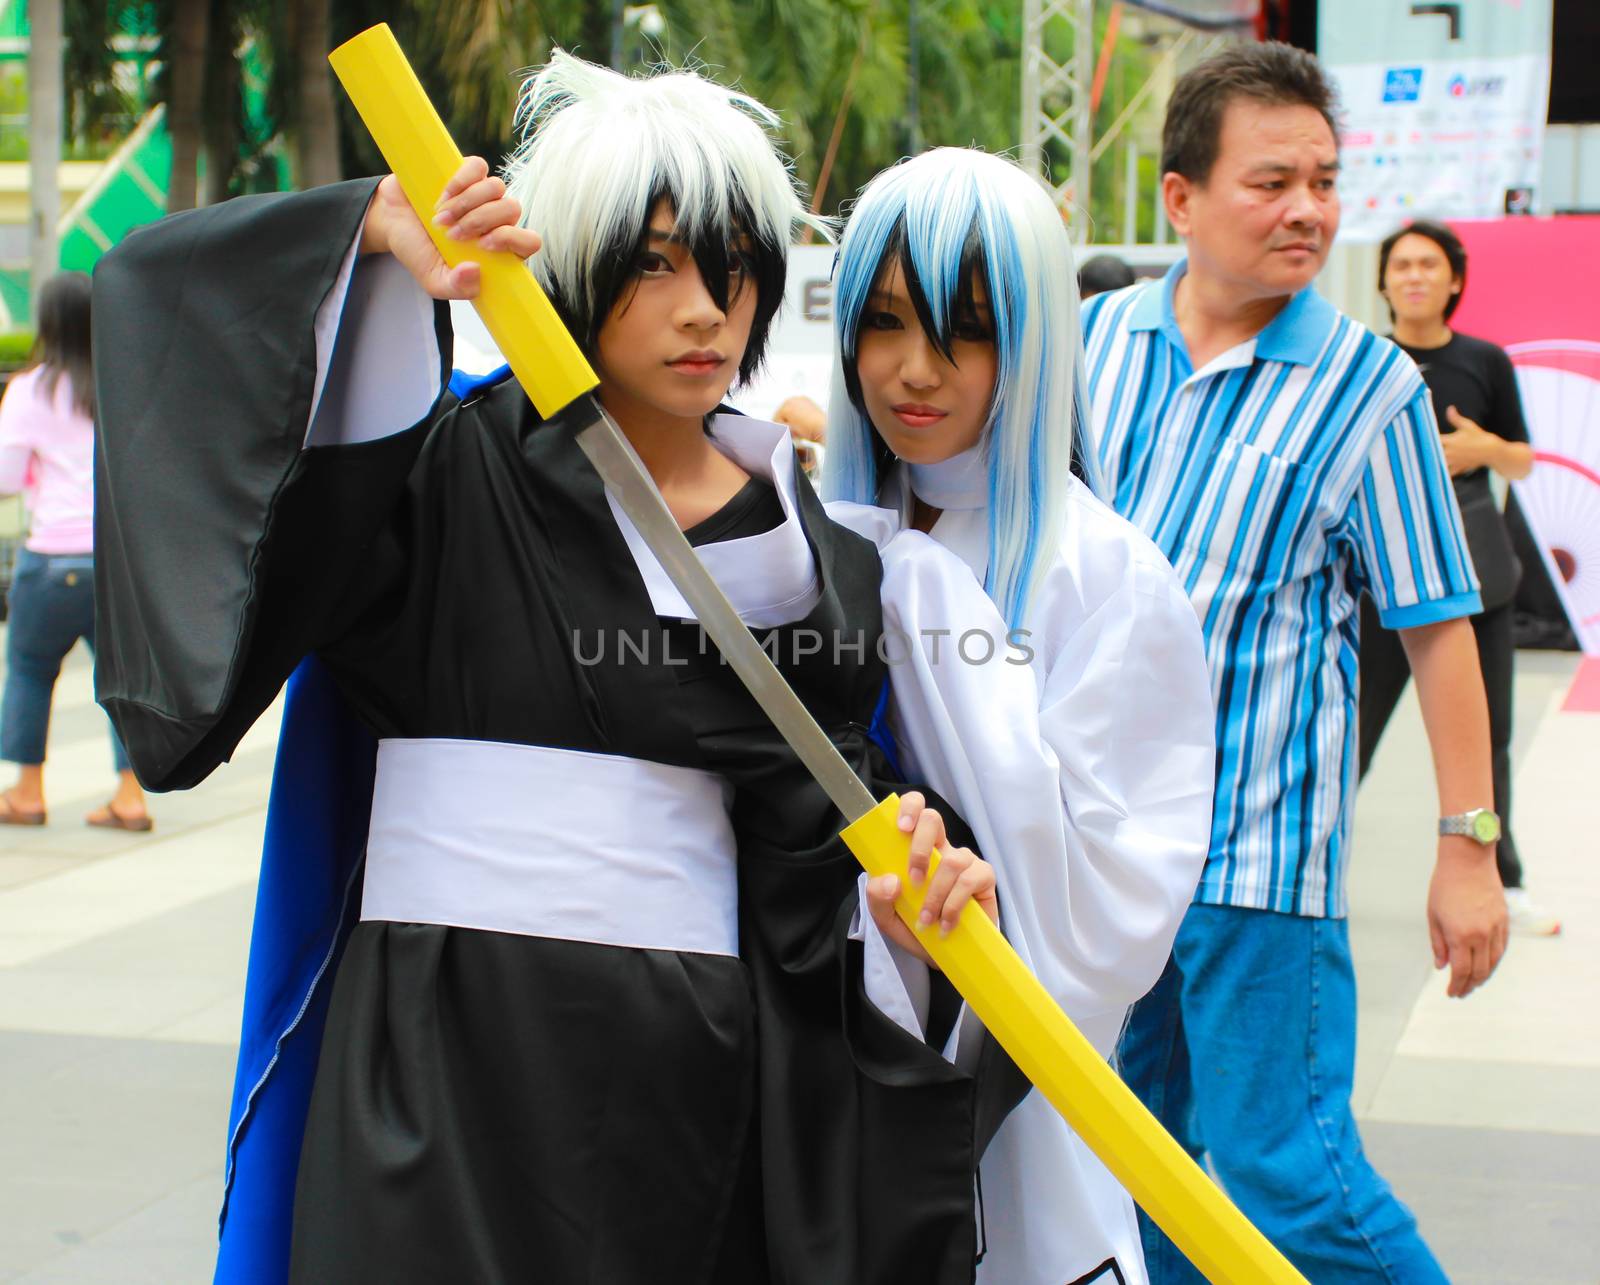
<point x="959" y="488"/>
<point x="958" y="483"/>
<point x="771" y="578"/>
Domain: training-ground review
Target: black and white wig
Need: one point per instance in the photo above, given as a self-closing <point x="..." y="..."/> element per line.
<point x="599" y="150"/>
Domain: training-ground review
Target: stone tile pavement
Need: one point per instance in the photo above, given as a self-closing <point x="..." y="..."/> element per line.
<point x="121" y="976"/>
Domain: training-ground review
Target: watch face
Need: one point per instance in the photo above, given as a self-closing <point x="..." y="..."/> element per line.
<point x="1486" y="827"/>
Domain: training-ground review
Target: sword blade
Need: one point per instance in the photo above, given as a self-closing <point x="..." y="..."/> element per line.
<point x="619" y="468"/>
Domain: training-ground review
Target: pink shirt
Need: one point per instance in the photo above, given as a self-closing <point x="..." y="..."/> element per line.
<point x="47" y="452"/>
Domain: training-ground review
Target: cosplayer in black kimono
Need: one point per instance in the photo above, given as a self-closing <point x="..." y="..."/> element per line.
<point x="543" y="1057"/>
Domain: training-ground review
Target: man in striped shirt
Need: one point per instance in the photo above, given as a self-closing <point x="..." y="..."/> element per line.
<point x="1286" y="460"/>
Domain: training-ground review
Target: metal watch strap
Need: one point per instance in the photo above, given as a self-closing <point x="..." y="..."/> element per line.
<point x="1466" y="824"/>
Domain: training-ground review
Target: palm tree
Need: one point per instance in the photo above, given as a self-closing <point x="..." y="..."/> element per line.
<point x="307" y="104"/>
<point x="184" y="39"/>
<point x="314" y="120"/>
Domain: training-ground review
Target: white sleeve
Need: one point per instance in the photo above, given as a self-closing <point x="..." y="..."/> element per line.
<point x="1085" y="774"/>
<point x="896" y="981"/>
<point x="1127" y="714"/>
<point x="897" y="984"/>
<point x="876" y="524"/>
<point x="377" y="353"/>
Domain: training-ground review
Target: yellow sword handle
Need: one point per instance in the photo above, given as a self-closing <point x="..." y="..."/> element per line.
<point x="1018" y="1011"/>
<point x="980" y="963"/>
<point x="418" y="148"/>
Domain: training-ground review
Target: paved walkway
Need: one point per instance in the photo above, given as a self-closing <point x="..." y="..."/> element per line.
<point x="121" y="975"/>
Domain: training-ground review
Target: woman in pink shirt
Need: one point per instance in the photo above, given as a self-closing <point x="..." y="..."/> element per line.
<point x="47" y="452"/>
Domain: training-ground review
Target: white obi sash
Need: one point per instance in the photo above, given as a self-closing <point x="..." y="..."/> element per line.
<point x="551" y="843"/>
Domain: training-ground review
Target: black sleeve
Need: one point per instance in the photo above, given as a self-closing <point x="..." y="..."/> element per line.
<point x="865" y="1129"/>
<point x="1509" y="422"/>
<point x="222" y="546"/>
<point x="869" y="1138"/>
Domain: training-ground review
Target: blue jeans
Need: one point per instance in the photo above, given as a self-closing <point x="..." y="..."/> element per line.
<point x="51" y="606"/>
<point x="1245" y="1050"/>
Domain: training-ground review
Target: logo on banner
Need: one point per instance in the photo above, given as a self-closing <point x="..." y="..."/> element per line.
<point x="1402" y="84"/>
<point x="1460" y="86"/>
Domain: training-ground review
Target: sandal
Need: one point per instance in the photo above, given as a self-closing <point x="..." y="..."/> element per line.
<point x="11" y="814"/>
<point x="114" y="820"/>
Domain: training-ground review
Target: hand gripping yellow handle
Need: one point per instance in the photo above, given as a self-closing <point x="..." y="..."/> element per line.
<point x="981" y="964"/>
<point x="418" y="148"/>
<point x="1063" y="1065"/>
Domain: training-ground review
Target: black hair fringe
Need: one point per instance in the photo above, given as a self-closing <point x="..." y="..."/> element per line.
<point x="961" y="313"/>
<point x="616" y="273"/>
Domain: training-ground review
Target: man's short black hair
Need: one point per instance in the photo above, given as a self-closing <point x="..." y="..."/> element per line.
<point x="1454" y="252"/>
<point x="1272" y="73"/>
<point x="1101" y="273"/>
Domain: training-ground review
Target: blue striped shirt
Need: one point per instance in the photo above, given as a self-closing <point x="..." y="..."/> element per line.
<point x="1283" y="479"/>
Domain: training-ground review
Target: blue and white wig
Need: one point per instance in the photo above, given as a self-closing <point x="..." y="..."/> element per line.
<point x="949" y="217"/>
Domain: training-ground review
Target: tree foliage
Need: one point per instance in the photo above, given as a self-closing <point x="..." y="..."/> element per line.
<point x="103" y="89"/>
<point x="825" y="66"/>
<point x="798" y="56"/>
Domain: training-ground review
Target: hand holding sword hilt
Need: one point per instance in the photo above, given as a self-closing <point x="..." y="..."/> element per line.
<point x="941" y="880"/>
<point x="473" y="208"/>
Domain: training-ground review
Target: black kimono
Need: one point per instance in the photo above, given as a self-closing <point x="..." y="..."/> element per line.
<point x="506" y="1105"/>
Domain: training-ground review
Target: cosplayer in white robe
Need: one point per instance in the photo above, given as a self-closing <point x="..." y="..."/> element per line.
<point x="1087" y="777"/>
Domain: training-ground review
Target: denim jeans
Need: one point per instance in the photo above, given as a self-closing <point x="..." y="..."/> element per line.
<point x="51" y="607"/>
<point x="1245" y="1051"/>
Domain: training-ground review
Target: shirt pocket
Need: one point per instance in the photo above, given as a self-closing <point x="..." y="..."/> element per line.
<point x="1248" y="515"/>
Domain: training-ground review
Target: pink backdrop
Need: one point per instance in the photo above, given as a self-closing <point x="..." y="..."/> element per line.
<point x="1533" y="286"/>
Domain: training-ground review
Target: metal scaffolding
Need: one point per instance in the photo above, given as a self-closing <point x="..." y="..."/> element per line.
<point x="1056" y="124"/>
<point x="1059" y="143"/>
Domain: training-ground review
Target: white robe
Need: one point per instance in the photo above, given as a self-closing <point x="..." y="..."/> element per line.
<point x="1087" y="777"/>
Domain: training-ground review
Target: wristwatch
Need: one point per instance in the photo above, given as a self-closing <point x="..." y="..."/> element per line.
<point x="1481" y="824"/>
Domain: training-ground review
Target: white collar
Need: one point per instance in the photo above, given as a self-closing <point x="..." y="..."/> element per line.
<point x="960" y="482"/>
<point x="959" y="488"/>
<point x="771" y="579"/>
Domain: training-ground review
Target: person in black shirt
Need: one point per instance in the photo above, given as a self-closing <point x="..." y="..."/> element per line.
<point x="1422" y="270"/>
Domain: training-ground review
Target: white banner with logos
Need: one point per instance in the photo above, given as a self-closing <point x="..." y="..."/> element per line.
<point x="800" y="347"/>
<point x="1447" y="120"/>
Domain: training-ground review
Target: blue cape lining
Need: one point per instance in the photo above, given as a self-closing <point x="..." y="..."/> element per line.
<point x="306" y="903"/>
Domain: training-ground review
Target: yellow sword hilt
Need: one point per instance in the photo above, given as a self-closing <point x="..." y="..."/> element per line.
<point x="980" y="963"/>
<point x="418" y="148"/>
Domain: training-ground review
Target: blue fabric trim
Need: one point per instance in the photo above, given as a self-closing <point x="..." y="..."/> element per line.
<point x="466" y="386"/>
<point x="880" y="735"/>
<point x="1431" y="613"/>
<point x="316" y="833"/>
